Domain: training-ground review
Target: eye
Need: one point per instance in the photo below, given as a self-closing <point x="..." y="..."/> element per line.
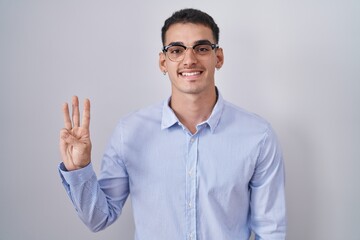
<point x="176" y="50"/>
<point x="202" y="49"/>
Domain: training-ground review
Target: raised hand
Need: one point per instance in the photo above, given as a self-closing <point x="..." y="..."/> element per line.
<point x="75" y="144"/>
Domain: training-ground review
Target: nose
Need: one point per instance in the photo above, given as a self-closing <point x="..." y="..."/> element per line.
<point x="189" y="57"/>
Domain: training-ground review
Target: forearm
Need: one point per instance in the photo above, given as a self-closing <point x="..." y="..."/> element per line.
<point x="267" y="205"/>
<point x="93" y="207"/>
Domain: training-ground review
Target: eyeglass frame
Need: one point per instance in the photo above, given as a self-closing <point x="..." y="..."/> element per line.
<point x="213" y="46"/>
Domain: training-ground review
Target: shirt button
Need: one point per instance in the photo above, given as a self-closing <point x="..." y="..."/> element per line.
<point x="189" y="204"/>
<point x="192" y="140"/>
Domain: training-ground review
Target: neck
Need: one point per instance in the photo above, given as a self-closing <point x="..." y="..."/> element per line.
<point x="192" y="109"/>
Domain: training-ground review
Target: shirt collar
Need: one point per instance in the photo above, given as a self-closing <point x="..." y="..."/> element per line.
<point x="216" y="113"/>
<point x="169" y="118"/>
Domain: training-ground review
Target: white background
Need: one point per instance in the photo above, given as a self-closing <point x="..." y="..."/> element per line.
<point x="296" y="63"/>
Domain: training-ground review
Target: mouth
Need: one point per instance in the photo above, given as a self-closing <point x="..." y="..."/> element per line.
<point x="192" y="74"/>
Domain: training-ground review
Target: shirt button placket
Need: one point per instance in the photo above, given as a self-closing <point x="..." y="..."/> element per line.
<point x="191" y="188"/>
<point x="190" y="236"/>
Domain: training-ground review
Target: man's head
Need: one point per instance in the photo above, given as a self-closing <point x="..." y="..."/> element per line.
<point x="190" y="54"/>
<point x="190" y="15"/>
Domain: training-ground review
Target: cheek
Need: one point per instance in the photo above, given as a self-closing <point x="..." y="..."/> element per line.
<point x="172" y="73"/>
<point x="210" y="66"/>
<point x="173" y="76"/>
<point x="171" y="67"/>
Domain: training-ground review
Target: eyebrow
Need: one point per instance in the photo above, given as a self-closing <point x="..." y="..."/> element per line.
<point x="203" y="41"/>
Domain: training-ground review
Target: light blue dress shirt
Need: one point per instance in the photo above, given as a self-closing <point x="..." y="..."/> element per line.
<point x="220" y="183"/>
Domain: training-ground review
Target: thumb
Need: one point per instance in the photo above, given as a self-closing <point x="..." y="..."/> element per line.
<point x="68" y="138"/>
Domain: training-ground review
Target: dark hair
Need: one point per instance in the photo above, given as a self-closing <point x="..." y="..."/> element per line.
<point x="190" y="15"/>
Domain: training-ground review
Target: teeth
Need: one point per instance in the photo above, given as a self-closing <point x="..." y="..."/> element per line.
<point x="190" y="73"/>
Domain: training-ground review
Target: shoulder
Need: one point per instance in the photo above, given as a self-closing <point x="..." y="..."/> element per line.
<point x="236" y="116"/>
<point x="249" y="127"/>
<point x="146" y="117"/>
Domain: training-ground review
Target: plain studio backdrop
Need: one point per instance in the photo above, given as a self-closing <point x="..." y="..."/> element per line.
<point x="296" y="63"/>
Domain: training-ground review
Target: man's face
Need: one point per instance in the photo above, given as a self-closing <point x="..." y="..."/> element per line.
<point x="194" y="74"/>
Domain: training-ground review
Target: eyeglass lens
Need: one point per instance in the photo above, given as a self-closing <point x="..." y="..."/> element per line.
<point x="177" y="52"/>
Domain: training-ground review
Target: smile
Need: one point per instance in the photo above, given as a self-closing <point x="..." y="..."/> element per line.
<point x="188" y="74"/>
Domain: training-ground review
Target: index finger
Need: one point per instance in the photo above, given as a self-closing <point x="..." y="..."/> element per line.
<point x="86" y="114"/>
<point x="67" y="120"/>
<point x="75" y="111"/>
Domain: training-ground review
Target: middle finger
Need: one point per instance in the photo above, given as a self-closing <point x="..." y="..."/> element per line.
<point x="75" y="111"/>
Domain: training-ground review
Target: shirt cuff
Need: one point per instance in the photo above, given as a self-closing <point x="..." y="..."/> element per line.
<point x="76" y="177"/>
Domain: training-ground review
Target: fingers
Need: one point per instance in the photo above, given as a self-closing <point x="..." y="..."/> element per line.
<point x="86" y="114"/>
<point x="67" y="120"/>
<point x="74" y="121"/>
<point x="75" y="111"/>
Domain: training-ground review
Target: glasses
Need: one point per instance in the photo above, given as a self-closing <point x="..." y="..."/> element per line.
<point x="176" y="51"/>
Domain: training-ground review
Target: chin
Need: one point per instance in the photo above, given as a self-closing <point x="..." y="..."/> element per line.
<point x="190" y="89"/>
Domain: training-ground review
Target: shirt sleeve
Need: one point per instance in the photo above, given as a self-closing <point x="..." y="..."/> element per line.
<point x="98" y="202"/>
<point x="267" y="200"/>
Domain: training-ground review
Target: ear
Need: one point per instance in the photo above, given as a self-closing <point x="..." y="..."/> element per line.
<point x="162" y="62"/>
<point x="219" y="58"/>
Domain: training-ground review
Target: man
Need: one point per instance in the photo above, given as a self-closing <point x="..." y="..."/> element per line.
<point x="196" y="166"/>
